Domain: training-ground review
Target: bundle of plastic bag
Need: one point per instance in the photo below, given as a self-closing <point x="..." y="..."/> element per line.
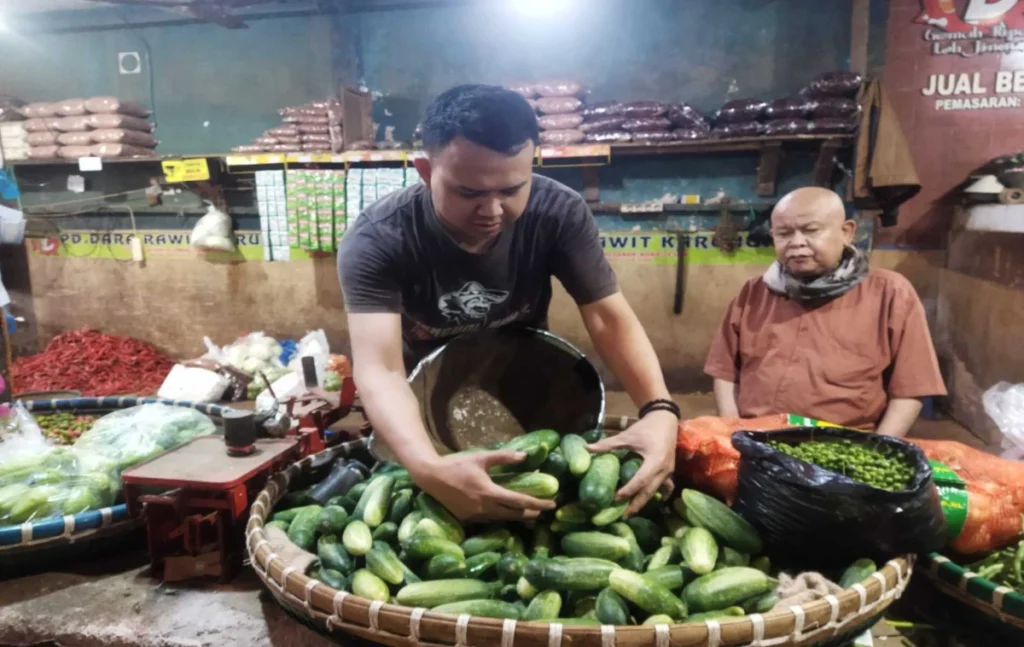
<point x="1004" y="403"/>
<point x="214" y="231"/>
<point x="39" y="480"/>
<point x="252" y="354"/>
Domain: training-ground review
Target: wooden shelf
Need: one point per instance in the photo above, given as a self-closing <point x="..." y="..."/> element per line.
<point x="738" y="144"/>
<point x="679" y="209"/>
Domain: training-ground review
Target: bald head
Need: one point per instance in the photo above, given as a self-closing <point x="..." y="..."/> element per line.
<point x="810" y="230"/>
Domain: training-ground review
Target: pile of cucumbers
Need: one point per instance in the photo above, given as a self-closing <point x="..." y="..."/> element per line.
<point x="690" y="559"/>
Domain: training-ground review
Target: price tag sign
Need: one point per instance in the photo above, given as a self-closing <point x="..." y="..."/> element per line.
<point x="186" y="170"/>
<point x="90" y="164"/>
<point x="642" y="207"/>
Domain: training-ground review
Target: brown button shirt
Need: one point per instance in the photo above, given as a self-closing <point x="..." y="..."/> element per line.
<point x="839" y="361"/>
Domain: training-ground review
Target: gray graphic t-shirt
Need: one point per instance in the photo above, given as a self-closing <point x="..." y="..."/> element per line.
<point x="398" y="258"/>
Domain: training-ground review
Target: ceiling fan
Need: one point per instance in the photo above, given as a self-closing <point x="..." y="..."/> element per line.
<point x="215" y="11"/>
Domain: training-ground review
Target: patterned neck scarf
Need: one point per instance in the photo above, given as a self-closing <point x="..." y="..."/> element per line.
<point x="851" y="271"/>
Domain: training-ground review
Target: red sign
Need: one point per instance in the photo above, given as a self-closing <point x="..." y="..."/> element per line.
<point x="972" y="27"/>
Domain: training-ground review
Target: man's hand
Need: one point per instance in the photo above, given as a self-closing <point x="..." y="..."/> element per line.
<point x="461" y="483"/>
<point x="654" y="438"/>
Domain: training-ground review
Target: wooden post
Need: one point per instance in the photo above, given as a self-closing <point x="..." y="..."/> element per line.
<point x="860" y="24"/>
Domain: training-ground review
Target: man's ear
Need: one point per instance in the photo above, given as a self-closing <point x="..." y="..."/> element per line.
<point x="849" y="229"/>
<point x="423" y="167"/>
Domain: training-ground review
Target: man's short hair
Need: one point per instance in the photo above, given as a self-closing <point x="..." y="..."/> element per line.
<point x="487" y="115"/>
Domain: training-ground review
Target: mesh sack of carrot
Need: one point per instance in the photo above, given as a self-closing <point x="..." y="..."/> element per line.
<point x="706" y="460"/>
<point x="94" y="364"/>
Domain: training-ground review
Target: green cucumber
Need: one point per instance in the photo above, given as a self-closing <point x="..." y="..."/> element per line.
<point x="857" y="572"/>
<point x="659" y="619"/>
<point x="421" y="546"/>
<point x="671" y="577"/>
<point x="387" y="532"/>
<point x="595" y="544"/>
<point x="714" y="615"/>
<point x="555" y="465"/>
<point x="482" y="608"/>
<point x="429" y="527"/>
<point x="515" y="545"/>
<point x="699" y="550"/>
<point x="333" y="579"/>
<point x="647" y="533"/>
<point x="401" y="505"/>
<point x="357" y="538"/>
<point x="585" y="606"/>
<point x="609" y="515"/>
<point x="729" y="557"/>
<point x="535" y="484"/>
<point x="592" y="436"/>
<point x="279" y="524"/>
<point x="444" y="566"/>
<point x="763" y="564"/>
<point x="726" y="587"/>
<point x="339" y="501"/>
<point x="761" y="603"/>
<point x="649" y="596"/>
<point x="574" y="448"/>
<point x="543" y="540"/>
<point x="492" y="540"/>
<point x="664" y="556"/>
<point x="710" y="513"/>
<point x="536" y="445"/>
<point x="333" y="555"/>
<point x="525" y="590"/>
<point x="408" y="525"/>
<point x="572" y="513"/>
<point x="295" y="499"/>
<point x="565" y="527"/>
<point x="437" y="513"/>
<point x="510" y="567"/>
<point x="367" y="585"/>
<point x="332" y="520"/>
<point x="284" y="515"/>
<point x="629" y="469"/>
<point x="611" y="608"/>
<point x="544" y="606"/>
<point x="597" y="488"/>
<point x="384" y="563"/>
<point x="302" y="530"/>
<point x="377" y="497"/>
<point x="480" y="565"/>
<point x="569" y="574"/>
<point x="675" y="527"/>
<point x="353" y="496"/>
<point x="437" y="592"/>
<point x="634" y="559"/>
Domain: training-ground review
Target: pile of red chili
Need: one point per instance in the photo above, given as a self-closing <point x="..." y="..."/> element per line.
<point x="93" y="363"/>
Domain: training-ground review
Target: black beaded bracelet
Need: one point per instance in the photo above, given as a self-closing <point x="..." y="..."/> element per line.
<point x="661" y="405"/>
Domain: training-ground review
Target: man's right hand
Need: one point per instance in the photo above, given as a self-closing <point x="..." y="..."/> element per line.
<point x="462" y="484"/>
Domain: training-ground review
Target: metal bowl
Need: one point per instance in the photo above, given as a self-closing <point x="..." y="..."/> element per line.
<point x="488" y="387"/>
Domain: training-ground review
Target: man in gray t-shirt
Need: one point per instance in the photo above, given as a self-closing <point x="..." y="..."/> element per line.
<point x="475" y="247"/>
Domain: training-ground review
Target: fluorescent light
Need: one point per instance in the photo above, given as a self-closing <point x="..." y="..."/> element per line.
<point x="541" y="8"/>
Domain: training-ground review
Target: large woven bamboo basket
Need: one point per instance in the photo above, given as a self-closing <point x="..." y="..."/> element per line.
<point x="335" y="611"/>
<point x="999" y="602"/>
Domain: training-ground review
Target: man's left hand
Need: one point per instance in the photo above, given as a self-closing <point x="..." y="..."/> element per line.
<point x="654" y="439"/>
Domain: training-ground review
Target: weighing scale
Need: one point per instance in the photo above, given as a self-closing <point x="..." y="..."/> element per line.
<point x="195" y="500"/>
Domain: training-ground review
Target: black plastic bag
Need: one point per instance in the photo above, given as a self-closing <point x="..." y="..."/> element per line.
<point x="744" y="129"/>
<point x="686" y="117"/>
<point x="787" y="127"/>
<point x="819" y="518"/>
<point x="830" y="125"/>
<point x="646" y="124"/>
<point x="608" y="137"/>
<point x="835" y="84"/>
<point x="740" y="110"/>
<point x="790" y="108"/>
<point x="603" y="109"/>
<point x="838" y="107"/>
<point x="602" y="124"/>
<point x="691" y="134"/>
<point x="644" y="109"/>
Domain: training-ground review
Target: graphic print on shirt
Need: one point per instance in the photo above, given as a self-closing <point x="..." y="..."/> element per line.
<point x="471" y="302"/>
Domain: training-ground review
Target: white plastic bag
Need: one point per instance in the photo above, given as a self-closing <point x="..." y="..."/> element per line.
<point x="193" y="384"/>
<point x="1004" y="403"/>
<point x="250" y="354"/>
<point x="213" y="232"/>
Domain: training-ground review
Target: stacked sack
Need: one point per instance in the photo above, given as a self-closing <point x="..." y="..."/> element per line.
<point x="646" y="122"/>
<point x="827" y="105"/>
<point x="13" y="138"/>
<point x="314" y="127"/>
<point x="96" y="127"/>
<point x="560" y="108"/>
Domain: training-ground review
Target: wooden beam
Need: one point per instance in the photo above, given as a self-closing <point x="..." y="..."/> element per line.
<point x="860" y="26"/>
<point x="591" y="184"/>
<point x="768" y="168"/>
<point x="825" y="165"/>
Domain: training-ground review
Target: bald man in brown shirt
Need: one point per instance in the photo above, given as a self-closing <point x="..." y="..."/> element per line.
<point x="821" y="334"/>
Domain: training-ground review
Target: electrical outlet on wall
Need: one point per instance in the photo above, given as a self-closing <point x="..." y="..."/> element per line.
<point x="129" y="63"/>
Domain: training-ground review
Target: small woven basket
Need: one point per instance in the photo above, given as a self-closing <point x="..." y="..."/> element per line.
<point x="330" y="610"/>
<point x="40" y="541"/>
<point x="999" y="602"/>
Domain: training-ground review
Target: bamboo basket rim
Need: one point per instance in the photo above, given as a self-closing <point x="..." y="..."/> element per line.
<point x="391" y="624"/>
<point x="956" y="581"/>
